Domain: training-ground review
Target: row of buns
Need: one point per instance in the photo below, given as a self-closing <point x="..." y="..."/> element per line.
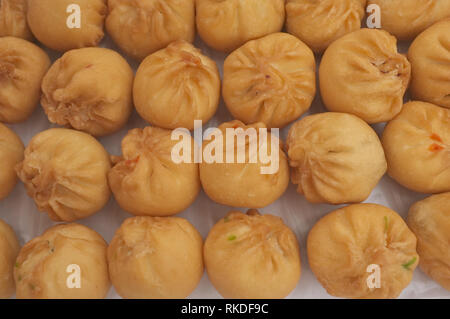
<point x="142" y="27"/>
<point x="270" y="80"/>
<point x="333" y="158"/>
<point x="245" y="255"/>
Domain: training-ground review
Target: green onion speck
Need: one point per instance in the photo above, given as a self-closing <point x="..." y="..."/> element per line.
<point x="409" y="263"/>
<point x="232" y="237"/>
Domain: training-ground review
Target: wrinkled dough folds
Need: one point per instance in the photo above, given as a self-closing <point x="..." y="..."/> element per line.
<point x="141" y="27"/>
<point x="40" y="271"/>
<point x="13" y="19"/>
<point x="48" y="20"/>
<point x="270" y="80"/>
<point x="11" y="153"/>
<point x="156" y="257"/>
<point x="319" y="23"/>
<point x="89" y="89"/>
<point x="344" y="243"/>
<point x="430" y="60"/>
<point x="243" y="184"/>
<point x="226" y="25"/>
<point x="252" y="256"/>
<point x="145" y="176"/>
<point x="429" y="219"/>
<point x="22" y="67"/>
<point x="363" y="74"/>
<point x="176" y="86"/>
<point x="417" y="146"/>
<point x="405" y="19"/>
<point x="9" y="249"/>
<point x="64" y="171"/>
<point x="335" y="158"/>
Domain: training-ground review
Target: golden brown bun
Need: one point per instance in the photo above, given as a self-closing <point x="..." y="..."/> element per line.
<point x="48" y="19"/>
<point x="13" y="19"/>
<point x="252" y="256"/>
<point x="430" y="61"/>
<point x="89" y="89"/>
<point x="407" y="18"/>
<point x="319" y="23"/>
<point x="226" y="25"/>
<point x="243" y="184"/>
<point x="417" y="149"/>
<point x="9" y="249"/>
<point x="363" y="74"/>
<point x="336" y="158"/>
<point x="146" y="180"/>
<point x="42" y="267"/>
<point x="176" y="86"/>
<point x="22" y="67"/>
<point x="154" y="257"/>
<point x="270" y="80"/>
<point x="64" y="171"/>
<point x="11" y="153"/>
<point x="141" y="27"/>
<point x="345" y="242"/>
<point x="429" y="219"/>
